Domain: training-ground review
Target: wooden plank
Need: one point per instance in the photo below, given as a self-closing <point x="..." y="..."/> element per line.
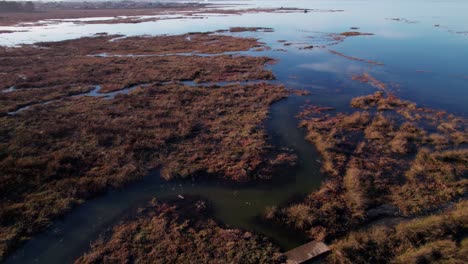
<point x="306" y="252"/>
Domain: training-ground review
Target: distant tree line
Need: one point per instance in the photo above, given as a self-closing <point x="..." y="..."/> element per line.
<point x="13" y="6"/>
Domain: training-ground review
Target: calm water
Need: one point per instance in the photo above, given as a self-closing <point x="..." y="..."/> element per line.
<point x="423" y="63"/>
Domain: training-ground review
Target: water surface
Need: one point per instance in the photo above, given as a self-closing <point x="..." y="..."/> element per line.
<point x="422" y="63"/>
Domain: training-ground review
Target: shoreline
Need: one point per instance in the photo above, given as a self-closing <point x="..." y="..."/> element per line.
<point x="18" y="18"/>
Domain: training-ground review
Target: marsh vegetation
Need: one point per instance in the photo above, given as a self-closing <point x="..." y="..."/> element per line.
<point x="103" y="118"/>
<point x="388" y="159"/>
<point x="65" y="152"/>
<point x="179" y="231"/>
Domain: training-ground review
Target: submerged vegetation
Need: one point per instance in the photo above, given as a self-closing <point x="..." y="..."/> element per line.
<point x="69" y="150"/>
<point x="371" y="62"/>
<point x="389" y="159"/>
<point x="179" y="232"/>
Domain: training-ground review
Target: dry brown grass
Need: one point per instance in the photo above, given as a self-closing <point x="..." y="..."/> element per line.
<point x="383" y="162"/>
<point x="179" y="232"/>
<point x="433" y="178"/>
<point x="68" y="151"/>
<point x="367" y="78"/>
<point x="371" y="62"/>
<point x="438" y="238"/>
<point x="56" y="156"/>
<point x="37" y="77"/>
<point x="11" y="19"/>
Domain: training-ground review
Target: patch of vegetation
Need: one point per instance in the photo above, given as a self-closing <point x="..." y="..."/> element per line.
<point x="390" y="158"/>
<point x="438" y="238"/>
<point x="197" y="42"/>
<point x="67" y="151"/>
<point x="250" y="29"/>
<point x="355" y="33"/>
<point x="367" y="78"/>
<point x="55" y="70"/>
<point x="356" y="59"/>
<point x="179" y="232"/>
<point x="332" y="39"/>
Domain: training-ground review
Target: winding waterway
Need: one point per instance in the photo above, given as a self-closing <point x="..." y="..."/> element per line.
<point x="235" y="206"/>
<point x="414" y="69"/>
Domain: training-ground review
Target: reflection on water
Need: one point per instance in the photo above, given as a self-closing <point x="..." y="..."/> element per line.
<point x="423" y="63"/>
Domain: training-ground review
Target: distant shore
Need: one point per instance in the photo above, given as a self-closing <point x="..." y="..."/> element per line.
<point x="63" y="10"/>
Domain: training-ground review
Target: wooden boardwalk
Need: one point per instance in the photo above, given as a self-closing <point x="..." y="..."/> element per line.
<point x="306" y="252"/>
